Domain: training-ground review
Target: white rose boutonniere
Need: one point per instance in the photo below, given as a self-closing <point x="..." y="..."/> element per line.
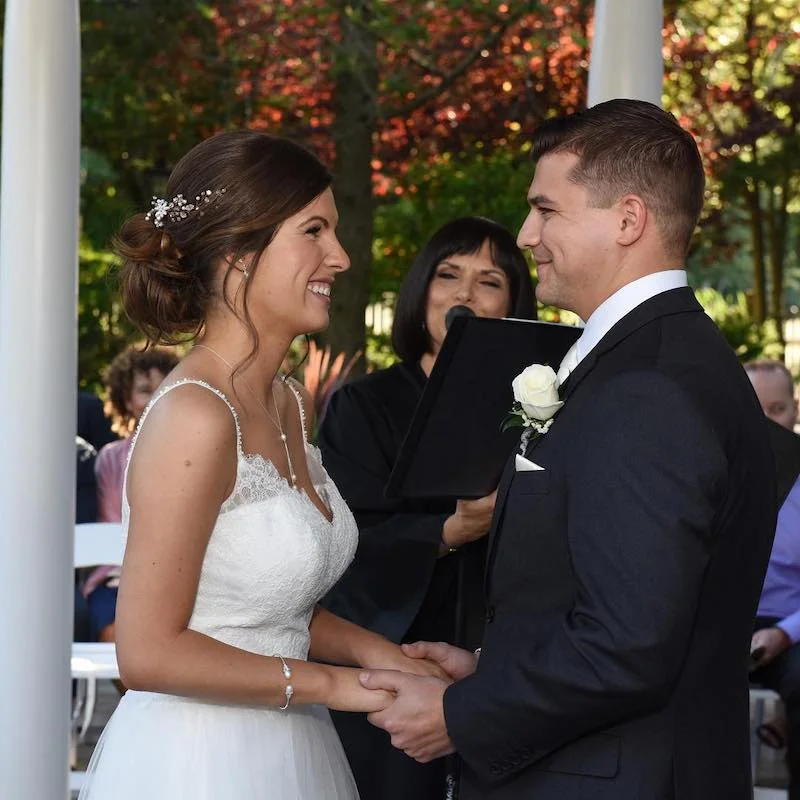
<point x="536" y="402"/>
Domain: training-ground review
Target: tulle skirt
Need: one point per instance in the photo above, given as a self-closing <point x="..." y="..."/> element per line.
<point x="159" y="746"/>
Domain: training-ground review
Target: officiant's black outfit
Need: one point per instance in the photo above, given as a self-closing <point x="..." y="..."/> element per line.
<point x="397" y="585"/>
<point x="623" y="580"/>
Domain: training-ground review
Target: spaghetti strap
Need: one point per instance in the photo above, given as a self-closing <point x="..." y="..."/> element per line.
<point x="290" y="382"/>
<point x="182" y="382"/>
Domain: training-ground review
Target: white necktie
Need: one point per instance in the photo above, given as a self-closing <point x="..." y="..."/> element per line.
<point x="568" y="363"/>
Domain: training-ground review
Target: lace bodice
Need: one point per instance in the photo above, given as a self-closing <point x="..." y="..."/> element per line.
<point x="272" y="554"/>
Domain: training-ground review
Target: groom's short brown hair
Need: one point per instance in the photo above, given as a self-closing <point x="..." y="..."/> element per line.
<point x="633" y="147"/>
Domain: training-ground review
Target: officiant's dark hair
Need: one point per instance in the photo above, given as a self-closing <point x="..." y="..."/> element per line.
<point x="633" y="147"/>
<point x="225" y="200"/>
<point x="462" y="236"/>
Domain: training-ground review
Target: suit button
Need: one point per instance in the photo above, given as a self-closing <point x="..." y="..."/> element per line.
<point x="489" y="614"/>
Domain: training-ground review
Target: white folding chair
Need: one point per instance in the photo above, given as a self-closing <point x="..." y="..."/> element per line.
<point x="98" y="540"/>
<point x="96" y="544"/>
<point x="759" y="697"/>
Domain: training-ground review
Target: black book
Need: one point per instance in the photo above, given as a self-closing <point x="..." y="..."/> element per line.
<point x="454" y="447"/>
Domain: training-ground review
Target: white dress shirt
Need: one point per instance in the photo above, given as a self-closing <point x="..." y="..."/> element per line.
<point x="612" y="310"/>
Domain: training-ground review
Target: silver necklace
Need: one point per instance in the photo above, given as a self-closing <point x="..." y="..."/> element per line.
<point x="276" y="421"/>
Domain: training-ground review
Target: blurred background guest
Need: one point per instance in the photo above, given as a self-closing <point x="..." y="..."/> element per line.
<point x="418" y="572"/>
<point x="131" y="380"/>
<point x="774" y="387"/>
<point x="776" y="654"/>
<point x="93" y="426"/>
<point x="93" y="430"/>
<point x="85" y="511"/>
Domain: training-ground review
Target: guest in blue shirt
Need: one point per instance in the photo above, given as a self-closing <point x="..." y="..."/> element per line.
<point x="775" y="643"/>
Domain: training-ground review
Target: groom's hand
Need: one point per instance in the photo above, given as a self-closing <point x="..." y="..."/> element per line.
<point x="415" y="720"/>
<point x="457" y="663"/>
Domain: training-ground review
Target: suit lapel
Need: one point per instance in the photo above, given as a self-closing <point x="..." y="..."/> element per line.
<point x="674" y="301"/>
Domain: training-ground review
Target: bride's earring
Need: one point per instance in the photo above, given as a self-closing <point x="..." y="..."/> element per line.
<point x="242" y="269"/>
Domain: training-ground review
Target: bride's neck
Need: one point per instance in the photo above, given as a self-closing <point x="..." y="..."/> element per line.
<point x="234" y="349"/>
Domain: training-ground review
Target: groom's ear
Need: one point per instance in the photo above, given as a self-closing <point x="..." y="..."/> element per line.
<point x="632" y="219"/>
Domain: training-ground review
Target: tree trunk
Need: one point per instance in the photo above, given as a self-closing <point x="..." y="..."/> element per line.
<point x="777" y="224"/>
<point x="752" y="192"/>
<point x="757" y="235"/>
<point x="356" y="94"/>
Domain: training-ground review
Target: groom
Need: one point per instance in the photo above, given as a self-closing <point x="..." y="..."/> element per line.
<point x="627" y="549"/>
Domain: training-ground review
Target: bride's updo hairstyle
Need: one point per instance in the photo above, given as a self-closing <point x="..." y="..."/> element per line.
<point x="224" y="202"/>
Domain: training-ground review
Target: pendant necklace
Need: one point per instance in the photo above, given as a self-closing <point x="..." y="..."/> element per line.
<point x="276" y="421"/>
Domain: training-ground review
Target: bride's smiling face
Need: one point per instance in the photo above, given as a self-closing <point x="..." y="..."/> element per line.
<point x="293" y="282"/>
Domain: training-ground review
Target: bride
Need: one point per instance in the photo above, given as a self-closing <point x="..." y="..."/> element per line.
<point x="234" y="529"/>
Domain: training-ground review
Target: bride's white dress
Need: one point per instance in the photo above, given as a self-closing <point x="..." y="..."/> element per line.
<point x="271" y="556"/>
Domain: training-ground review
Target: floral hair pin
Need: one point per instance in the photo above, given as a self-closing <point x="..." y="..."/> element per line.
<point x="179" y="207"/>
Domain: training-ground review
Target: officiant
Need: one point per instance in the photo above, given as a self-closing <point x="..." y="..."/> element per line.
<point x="418" y="572"/>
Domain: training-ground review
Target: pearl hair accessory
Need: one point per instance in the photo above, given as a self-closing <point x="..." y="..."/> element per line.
<point x="179" y="207"/>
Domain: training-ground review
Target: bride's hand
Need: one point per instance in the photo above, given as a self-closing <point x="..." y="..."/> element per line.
<point x="347" y="694"/>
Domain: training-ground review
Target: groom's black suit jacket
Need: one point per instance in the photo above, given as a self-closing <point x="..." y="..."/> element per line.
<point x="623" y="580"/>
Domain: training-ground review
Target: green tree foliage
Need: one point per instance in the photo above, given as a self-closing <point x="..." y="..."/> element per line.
<point x="103" y="329"/>
<point x="373" y="86"/>
<point x="492" y="185"/>
<point x="732" y="76"/>
<point x="749" y="338"/>
<point x="155" y="81"/>
<point x="424" y="109"/>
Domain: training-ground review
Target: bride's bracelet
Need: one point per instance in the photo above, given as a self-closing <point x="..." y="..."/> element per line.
<point x="288" y="692"/>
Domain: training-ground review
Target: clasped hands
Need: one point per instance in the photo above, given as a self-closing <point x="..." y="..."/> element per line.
<point x="415" y="718"/>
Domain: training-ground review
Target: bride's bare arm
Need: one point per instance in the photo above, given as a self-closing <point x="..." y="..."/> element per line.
<point x="338" y="641"/>
<point x="182" y="469"/>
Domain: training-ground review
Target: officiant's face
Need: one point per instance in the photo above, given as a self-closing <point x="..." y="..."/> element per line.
<point x="571" y="240"/>
<point x="471" y="280"/>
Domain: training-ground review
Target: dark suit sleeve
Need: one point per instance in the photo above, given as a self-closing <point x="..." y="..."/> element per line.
<point x="385" y="586"/>
<point x="644" y="480"/>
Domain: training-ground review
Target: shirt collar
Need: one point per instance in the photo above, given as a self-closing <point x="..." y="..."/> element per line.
<point x="622" y="302"/>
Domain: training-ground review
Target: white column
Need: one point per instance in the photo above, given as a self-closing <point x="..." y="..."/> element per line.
<point x="38" y="287"/>
<point x="626" y="59"/>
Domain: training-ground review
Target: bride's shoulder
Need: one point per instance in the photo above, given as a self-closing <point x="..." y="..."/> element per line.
<point x="190" y="413"/>
<point x="186" y="446"/>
